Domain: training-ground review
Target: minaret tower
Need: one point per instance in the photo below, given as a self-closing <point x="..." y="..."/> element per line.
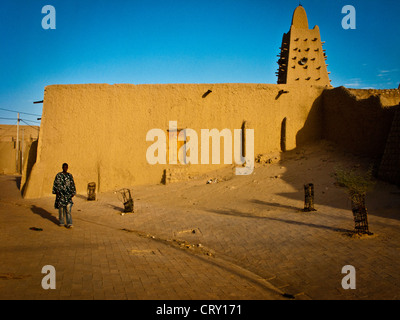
<point x="302" y="59"/>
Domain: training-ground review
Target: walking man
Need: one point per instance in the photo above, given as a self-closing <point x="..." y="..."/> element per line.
<point x="64" y="189"/>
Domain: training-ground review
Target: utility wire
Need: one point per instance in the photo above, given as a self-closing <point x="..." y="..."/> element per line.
<point x="31" y="114"/>
<point x="30" y="125"/>
<point x="7" y="118"/>
<point x="19" y="119"/>
<point x="29" y="120"/>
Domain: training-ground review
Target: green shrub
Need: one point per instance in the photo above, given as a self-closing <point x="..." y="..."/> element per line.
<point x="356" y="182"/>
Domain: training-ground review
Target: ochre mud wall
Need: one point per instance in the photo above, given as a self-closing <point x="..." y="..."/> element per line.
<point x="359" y="120"/>
<point x="7" y="158"/>
<point x="389" y="169"/>
<point x="8" y="144"/>
<point x="100" y="130"/>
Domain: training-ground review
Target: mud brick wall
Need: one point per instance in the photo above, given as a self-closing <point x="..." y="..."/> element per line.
<point x="359" y="121"/>
<point x="390" y="166"/>
<point x="100" y="129"/>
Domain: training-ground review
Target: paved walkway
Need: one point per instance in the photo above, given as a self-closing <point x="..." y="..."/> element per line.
<point x="257" y="247"/>
<point x="97" y="259"/>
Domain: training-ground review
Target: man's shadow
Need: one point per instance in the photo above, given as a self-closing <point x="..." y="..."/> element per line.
<point x="44" y="214"/>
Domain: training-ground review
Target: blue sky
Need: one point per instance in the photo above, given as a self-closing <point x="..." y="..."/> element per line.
<point x="174" y="41"/>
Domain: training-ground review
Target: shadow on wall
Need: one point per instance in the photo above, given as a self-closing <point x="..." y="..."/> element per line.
<point x="346" y="128"/>
<point x="307" y="164"/>
<point x="18" y="182"/>
<point x="312" y="130"/>
<point x="389" y="169"/>
<point x="30" y="162"/>
<point x="304" y="164"/>
<point x="357" y="124"/>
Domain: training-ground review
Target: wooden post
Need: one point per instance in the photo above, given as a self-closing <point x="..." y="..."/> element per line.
<point x="22" y="151"/>
<point x="17" y="147"/>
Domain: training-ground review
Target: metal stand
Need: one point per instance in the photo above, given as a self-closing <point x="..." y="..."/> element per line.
<point x="91" y="191"/>
<point x="360" y="214"/>
<point x="127" y="200"/>
<point x="309" y="198"/>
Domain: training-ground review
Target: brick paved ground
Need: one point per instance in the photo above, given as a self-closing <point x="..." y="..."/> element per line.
<point x="259" y="242"/>
<point x="98" y="260"/>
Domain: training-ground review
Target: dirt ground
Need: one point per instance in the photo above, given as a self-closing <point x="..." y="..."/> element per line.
<point x="256" y="224"/>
